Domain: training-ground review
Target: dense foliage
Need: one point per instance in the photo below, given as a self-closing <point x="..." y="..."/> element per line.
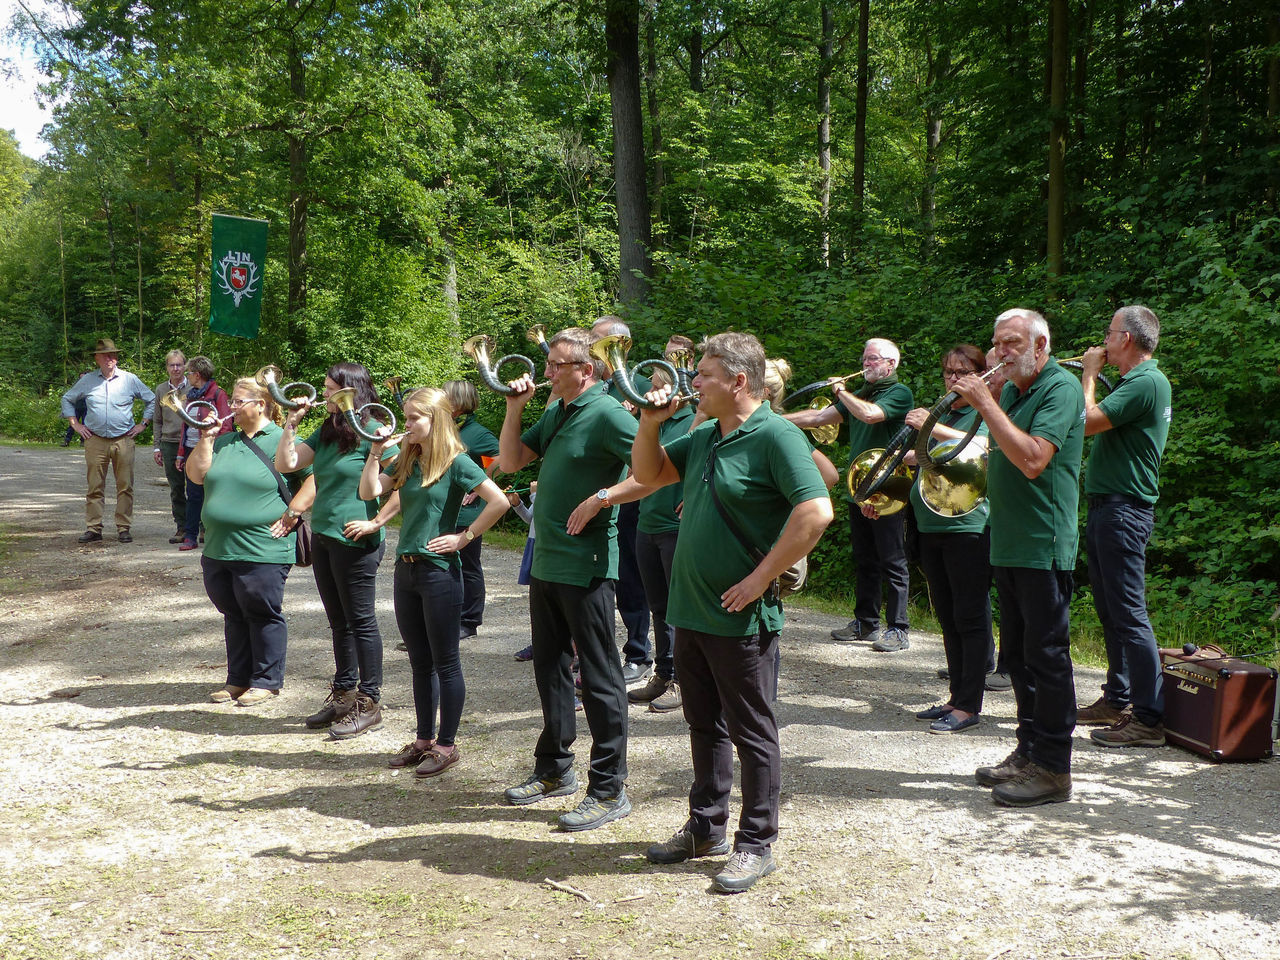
<point x="434" y="168"/>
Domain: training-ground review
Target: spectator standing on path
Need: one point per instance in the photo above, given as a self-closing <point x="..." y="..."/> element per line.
<point x="167" y="428"/>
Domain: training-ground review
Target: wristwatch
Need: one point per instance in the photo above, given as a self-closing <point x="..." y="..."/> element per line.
<point x="291" y="513"/>
<point x="468" y="534"/>
<point x="603" y="496"/>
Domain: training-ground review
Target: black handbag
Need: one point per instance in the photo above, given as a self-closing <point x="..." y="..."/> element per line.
<point x="302" y="549"/>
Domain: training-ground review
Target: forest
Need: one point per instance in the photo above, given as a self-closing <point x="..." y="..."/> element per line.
<point x="809" y="171"/>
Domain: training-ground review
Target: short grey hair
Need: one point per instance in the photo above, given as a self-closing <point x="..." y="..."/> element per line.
<point x="579" y="342"/>
<point x="1143" y="325"/>
<point x="1039" y="326"/>
<point x="610" y="326"/>
<point x="738" y="353"/>
<point x="887" y="349"/>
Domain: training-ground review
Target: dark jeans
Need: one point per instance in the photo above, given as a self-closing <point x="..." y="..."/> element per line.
<point x="958" y="568"/>
<point x="563" y="614"/>
<point x="654" y="553"/>
<point x="428" y="604"/>
<point x="1035" y="608"/>
<point x="250" y="596"/>
<point x="177" y="483"/>
<point x="472" y="583"/>
<point x="630" y="589"/>
<point x="727" y="685"/>
<point x="195" y="503"/>
<point x="880" y="557"/>
<point x="346" y="578"/>
<point x="1116" y="538"/>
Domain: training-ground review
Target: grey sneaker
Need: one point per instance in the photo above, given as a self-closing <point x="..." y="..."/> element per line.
<point x="1006" y="770"/>
<point x="848" y="633"/>
<point x="892" y="641"/>
<point x="743" y="870"/>
<point x="683" y="846"/>
<point x="595" y="812"/>
<point x="1033" y="786"/>
<point x="669" y="701"/>
<point x="635" y="672"/>
<point x="536" y="788"/>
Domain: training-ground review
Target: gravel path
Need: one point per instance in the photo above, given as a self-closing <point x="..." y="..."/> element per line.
<point x="142" y="821"/>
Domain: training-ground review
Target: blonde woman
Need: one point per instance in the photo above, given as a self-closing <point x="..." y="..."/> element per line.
<point x="432" y="473"/>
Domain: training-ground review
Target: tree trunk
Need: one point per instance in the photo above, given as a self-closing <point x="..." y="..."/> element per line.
<point x="655" y="125"/>
<point x="1121" y="54"/>
<point x="938" y="68"/>
<point x="1084" y="40"/>
<point x="826" y="53"/>
<point x="62" y="280"/>
<point x="860" y="109"/>
<point x="1057" y="135"/>
<point x="111" y="259"/>
<point x="622" y="34"/>
<point x="695" y="54"/>
<point x="298" y="194"/>
<point x="137" y="228"/>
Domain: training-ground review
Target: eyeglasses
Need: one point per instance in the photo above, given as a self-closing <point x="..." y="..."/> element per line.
<point x="554" y="365"/>
<point x="949" y="372"/>
<point x="868" y="361"/>
<point x="237" y="404"/>
<point x="1106" y="334"/>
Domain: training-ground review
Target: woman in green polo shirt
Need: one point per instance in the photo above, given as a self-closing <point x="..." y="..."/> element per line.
<point x="244" y="564"/>
<point x="432" y="472"/>
<point x="347" y="548"/>
<point x="955" y="554"/>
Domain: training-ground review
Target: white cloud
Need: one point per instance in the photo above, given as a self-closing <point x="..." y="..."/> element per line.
<point x="19" y="110"/>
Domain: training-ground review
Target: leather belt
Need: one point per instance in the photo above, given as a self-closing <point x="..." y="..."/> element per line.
<point x="1103" y="498"/>
<point x="110" y="439"/>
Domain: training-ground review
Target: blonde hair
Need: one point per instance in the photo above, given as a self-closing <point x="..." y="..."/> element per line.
<point x="776" y="374"/>
<point x="443" y="444"/>
<point x="270" y="410"/>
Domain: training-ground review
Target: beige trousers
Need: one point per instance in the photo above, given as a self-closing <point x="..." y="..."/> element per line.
<point x="99" y="454"/>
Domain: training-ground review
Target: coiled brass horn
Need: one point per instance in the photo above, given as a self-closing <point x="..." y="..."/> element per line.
<point x="612" y="352"/>
<point x="345" y="400"/>
<point x="931" y="459"/>
<point x="538" y="334"/>
<point x="682" y="361"/>
<point x="269" y="377"/>
<point x="877" y="479"/>
<point x="959" y="485"/>
<point x="479" y="347"/>
<point x="827" y="432"/>
<point x="170" y="402"/>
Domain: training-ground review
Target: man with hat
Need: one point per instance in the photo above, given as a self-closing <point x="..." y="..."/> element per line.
<point x="108" y="431"/>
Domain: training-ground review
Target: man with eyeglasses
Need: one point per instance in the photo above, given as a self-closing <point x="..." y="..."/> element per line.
<point x="166" y="428"/>
<point x="584" y="440"/>
<point x="1122" y="484"/>
<point x="874" y="412"/>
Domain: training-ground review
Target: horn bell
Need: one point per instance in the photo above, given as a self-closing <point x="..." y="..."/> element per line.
<point x="959" y="486"/>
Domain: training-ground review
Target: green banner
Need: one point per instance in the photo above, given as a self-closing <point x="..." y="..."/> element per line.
<point x="238" y="261"/>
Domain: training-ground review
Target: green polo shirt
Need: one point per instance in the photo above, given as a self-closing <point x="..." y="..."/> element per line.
<point x="975" y="521"/>
<point x="1034" y="523"/>
<point x="639" y="381"/>
<point x="480" y="443"/>
<point x="242" y="500"/>
<point x="337" y="488"/>
<point x="763" y="469"/>
<point x="431" y="511"/>
<point x="894" y="399"/>
<point x="658" y="510"/>
<point x="1126" y="458"/>
<point x="589" y="452"/>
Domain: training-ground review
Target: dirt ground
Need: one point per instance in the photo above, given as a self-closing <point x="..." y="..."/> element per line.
<point x="143" y="821"/>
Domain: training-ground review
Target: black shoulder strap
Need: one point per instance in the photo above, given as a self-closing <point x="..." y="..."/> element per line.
<point x="285" y="495"/>
<point x="752" y="550"/>
<point x="569" y="412"/>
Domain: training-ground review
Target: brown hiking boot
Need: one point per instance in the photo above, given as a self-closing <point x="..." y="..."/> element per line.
<point x="336" y="706"/>
<point x="1100" y="713"/>
<point x="1033" y="786"/>
<point x="365" y="715"/>
<point x="1129" y="732"/>
<point x="1007" y="769"/>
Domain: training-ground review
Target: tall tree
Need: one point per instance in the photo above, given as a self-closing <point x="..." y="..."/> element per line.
<point x="1059" y="49"/>
<point x="622" y="34"/>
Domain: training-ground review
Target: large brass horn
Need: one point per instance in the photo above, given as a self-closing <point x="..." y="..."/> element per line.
<point x="479" y="347"/>
<point x="345" y="400"/>
<point x="682" y="361"/>
<point x="877" y="479"/>
<point x="612" y="352"/>
<point x="269" y="378"/>
<point x="171" y="402"/>
<point x="959" y="485"/>
<point x="538" y="334"/>
<point x="827" y="432"/>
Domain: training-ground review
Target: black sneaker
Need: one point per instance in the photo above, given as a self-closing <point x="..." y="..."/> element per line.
<point x="537" y="788"/>
<point x="89" y="536"/>
<point x="997" y="682"/>
<point x="743" y="870"/>
<point x="635" y="672"/>
<point x="595" y="812"/>
<point x="683" y="846"/>
<point x="124" y="536"/>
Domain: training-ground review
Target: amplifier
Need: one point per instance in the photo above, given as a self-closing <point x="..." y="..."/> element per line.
<point x="1218" y="706"/>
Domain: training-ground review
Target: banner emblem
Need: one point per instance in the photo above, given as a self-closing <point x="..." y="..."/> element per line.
<point x="238" y="275"/>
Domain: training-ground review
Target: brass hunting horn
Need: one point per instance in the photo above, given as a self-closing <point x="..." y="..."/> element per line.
<point x="170" y="402"/>
<point x="479" y="347"/>
<point x="269" y="377"/>
<point x="345" y="400"/>
<point x="612" y="352"/>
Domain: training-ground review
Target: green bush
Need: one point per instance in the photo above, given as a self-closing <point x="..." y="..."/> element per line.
<point x="26" y="416"/>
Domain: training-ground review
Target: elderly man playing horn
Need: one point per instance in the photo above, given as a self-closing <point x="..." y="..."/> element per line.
<point x="1037" y="434"/>
<point x="1122" y="484"/>
<point x="584" y="440"/>
<point x="754" y="503"/>
<point x="875" y="412"/>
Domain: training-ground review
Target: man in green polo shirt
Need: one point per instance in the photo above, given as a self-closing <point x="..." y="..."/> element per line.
<point x="584" y="440"/>
<point x="726" y="616"/>
<point x="1033" y="473"/>
<point x="874" y="413"/>
<point x="1122" y="483"/>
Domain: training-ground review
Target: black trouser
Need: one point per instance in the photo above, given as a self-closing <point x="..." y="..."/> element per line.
<point x="1035" y="607"/>
<point x="428" y="601"/>
<point x="195" y="503"/>
<point x="654" y="553"/>
<point x="563" y="614"/>
<point x="250" y="596"/>
<point x="177" y="482"/>
<point x="472" y="583"/>
<point x="630" y="590"/>
<point x="727" y="685"/>
<point x="879" y="556"/>
<point x="346" y="578"/>
<point x="958" y="568"/>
